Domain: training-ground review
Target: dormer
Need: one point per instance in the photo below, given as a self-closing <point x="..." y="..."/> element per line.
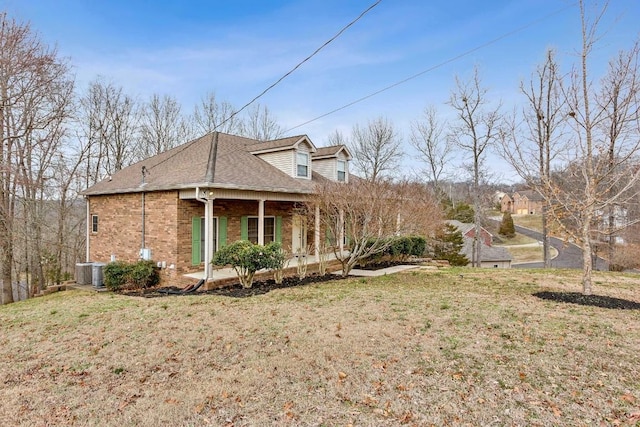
<point x="291" y="155"/>
<point x="332" y="162"/>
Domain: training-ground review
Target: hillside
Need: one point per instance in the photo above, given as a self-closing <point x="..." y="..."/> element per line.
<point x="459" y="346"/>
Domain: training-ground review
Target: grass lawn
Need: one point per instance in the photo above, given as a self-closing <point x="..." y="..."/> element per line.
<point x="533" y="222"/>
<point x="415" y="348"/>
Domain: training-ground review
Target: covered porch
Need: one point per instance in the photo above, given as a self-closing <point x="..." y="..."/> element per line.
<point x="220" y="216"/>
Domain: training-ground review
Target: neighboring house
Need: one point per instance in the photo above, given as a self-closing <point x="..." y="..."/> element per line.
<point x="492" y="256"/>
<point x="182" y="205"/>
<point x="527" y="202"/>
<point x="469" y="231"/>
<point x="506" y="204"/>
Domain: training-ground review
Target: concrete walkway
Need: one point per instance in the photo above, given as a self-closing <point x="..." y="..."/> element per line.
<point x="382" y="272"/>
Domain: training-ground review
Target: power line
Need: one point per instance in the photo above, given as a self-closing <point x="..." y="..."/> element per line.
<point x="288" y="73"/>
<point x="441" y="64"/>
<point x="231" y="116"/>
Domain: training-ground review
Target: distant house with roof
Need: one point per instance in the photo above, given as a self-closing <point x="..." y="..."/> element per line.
<point x="491" y="256"/>
<point x="181" y="206"/>
<point x="525" y="202"/>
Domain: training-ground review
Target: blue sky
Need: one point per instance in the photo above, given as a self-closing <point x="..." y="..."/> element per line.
<point x="237" y="48"/>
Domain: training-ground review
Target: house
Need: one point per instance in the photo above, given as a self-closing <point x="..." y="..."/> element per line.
<point x="469" y="231"/>
<point x="506" y="204"/>
<point x="180" y="206"/>
<point x="491" y="256"/>
<point x="527" y="202"/>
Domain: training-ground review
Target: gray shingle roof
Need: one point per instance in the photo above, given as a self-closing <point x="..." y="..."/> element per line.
<point x="330" y="151"/>
<point x="487" y="253"/>
<point x="202" y="163"/>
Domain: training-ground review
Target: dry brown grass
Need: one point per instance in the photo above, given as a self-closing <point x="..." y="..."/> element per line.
<point x="416" y="348"/>
<point x="533" y="222"/>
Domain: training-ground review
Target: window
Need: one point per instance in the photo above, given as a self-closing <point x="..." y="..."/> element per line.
<point x="269" y="229"/>
<point x="94" y="223"/>
<point x="342" y="170"/>
<point x="303" y="164"/>
<point x="203" y="237"/>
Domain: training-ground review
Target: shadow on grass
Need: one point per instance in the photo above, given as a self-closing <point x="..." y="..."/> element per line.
<point x="590" y="300"/>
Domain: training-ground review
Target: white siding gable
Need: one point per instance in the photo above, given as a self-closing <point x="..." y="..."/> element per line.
<point x="283" y="160"/>
<point x="286" y="159"/>
<point x="328" y="167"/>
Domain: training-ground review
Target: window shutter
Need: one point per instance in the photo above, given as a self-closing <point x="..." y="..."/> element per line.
<point x="195" y="240"/>
<point x="222" y="231"/>
<point x="244" y="228"/>
<point x="278" y="229"/>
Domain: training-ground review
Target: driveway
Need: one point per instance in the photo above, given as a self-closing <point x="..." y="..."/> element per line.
<point x="569" y="255"/>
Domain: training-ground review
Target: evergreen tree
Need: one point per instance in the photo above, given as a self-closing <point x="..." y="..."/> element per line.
<point x="448" y="244"/>
<point x="507" y="229"/>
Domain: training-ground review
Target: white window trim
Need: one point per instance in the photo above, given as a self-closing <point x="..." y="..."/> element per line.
<point x="94" y="230"/>
<point x="263" y="218"/>
<point x="344" y="163"/>
<point x="297" y="163"/>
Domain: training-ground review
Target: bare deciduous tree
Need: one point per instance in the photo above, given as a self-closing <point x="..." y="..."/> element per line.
<point x="602" y="174"/>
<point x="429" y="138"/>
<point x="476" y="129"/>
<point x="209" y="116"/>
<point x="531" y="148"/>
<point x="337" y="138"/>
<point x="376" y="148"/>
<point x="260" y="124"/>
<point x="35" y="98"/>
<point x="109" y="123"/>
<point x="362" y="216"/>
<point x="162" y="127"/>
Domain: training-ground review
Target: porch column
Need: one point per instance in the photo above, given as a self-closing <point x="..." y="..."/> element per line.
<point x="208" y="241"/>
<point x="261" y="222"/>
<point x="316" y="234"/>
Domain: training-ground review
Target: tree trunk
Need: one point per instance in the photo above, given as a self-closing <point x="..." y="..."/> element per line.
<point x="587" y="264"/>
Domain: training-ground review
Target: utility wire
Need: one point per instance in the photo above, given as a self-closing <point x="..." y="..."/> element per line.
<point x="288" y="73"/>
<point x="441" y="64"/>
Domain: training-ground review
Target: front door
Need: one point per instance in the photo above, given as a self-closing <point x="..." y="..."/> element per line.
<point x="299" y="234"/>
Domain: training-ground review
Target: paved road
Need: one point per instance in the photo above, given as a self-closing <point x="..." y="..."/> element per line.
<point x="569" y="255"/>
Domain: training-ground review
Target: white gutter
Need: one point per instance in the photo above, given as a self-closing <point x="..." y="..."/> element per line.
<point x="88" y="230"/>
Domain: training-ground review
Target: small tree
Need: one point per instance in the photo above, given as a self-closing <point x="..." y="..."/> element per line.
<point x="507" y="229"/>
<point x="362" y="218"/>
<point x="448" y="244"/>
<point x="275" y="259"/>
<point x="245" y="258"/>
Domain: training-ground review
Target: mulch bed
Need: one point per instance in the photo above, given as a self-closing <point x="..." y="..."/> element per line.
<point x="590" y="300"/>
<point x="259" y="287"/>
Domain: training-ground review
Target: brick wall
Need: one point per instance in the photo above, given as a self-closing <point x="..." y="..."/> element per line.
<point x="167" y="226"/>
<point x="120" y="226"/>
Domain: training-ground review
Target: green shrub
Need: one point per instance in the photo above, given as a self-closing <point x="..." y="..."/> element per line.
<point x="115" y="275"/>
<point x="121" y="275"/>
<point x="418" y="246"/>
<point x="144" y="274"/>
<point x="245" y="258"/>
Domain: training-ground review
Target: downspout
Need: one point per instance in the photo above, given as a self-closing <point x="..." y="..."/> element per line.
<point x="88" y="230"/>
<point x="205" y="231"/>
<point x="142" y="247"/>
<point x="144" y="174"/>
